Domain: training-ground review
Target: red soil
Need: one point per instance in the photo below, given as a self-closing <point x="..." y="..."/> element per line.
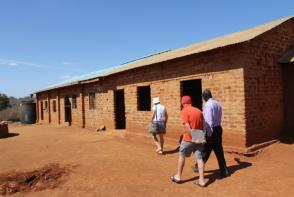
<point x="116" y="163"/>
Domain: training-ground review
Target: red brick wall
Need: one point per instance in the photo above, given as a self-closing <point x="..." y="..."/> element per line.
<point x="220" y="70"/>
<point x="231" y="96"/>
<point x="264" y="83"/>
<point x="54" y="115"/>
<point x="42" y="97"/>
<point x="76" y="113"/>
<point x="242" y="76"/>
<point x="93" y="117"/>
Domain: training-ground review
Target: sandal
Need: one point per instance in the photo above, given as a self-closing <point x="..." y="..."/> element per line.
<point x="159" y="151"/>
<point x="174" y="179"/>
<point x="196" y="182"/>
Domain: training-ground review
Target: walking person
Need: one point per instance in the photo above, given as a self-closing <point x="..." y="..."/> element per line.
<point x="159" y="118"/>
<point x="192" y="121"/>
<point x="213" y="115"/>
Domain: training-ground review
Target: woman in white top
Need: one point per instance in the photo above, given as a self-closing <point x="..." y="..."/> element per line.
<point x="159" y="116"/>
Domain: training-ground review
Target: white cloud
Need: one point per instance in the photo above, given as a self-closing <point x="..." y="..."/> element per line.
<point x="17" y="63"/>
<point x="13" y="64"/>
<point x="68" y="63"/>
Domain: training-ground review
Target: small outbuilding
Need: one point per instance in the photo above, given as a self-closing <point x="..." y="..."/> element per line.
<point x="250" y="72"/>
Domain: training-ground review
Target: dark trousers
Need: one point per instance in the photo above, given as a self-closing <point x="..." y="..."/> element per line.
<point x="214" y="142"/>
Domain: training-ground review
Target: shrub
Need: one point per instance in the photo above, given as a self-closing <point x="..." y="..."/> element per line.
<point x="10" y="114"/>
<point x="4" y="101"/>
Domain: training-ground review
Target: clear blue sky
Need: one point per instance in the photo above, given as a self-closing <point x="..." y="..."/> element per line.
<point x="45" y="42"/>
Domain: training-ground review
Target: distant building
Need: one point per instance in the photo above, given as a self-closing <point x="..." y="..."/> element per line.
<point x="250" y="72"/>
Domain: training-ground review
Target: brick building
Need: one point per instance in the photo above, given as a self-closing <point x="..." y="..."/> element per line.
<point x="249" y="72"/>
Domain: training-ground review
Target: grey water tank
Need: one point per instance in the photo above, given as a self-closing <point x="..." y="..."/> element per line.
<point x="28" y="112"/>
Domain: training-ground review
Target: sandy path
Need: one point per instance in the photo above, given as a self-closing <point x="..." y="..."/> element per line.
<point x="120" y="164"/>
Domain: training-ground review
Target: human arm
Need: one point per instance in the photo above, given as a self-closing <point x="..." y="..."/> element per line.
<point x="153" y="114"/>
<point x="186" y="127"/>
<point x="166" y="116"/>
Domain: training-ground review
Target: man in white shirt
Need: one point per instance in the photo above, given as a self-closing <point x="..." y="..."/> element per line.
<point x="160" y="117"/>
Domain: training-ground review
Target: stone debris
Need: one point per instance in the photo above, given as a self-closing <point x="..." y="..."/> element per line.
<point x="101" y="128"/>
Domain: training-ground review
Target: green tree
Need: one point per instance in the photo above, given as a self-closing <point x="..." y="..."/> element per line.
<point x="4" y="101"/>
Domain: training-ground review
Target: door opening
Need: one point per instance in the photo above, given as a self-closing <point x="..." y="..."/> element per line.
<point x="42" y="111"/>
<point x="119" y="109"/>
<point x="288" y="73"/>
<point x="193" y="88"/>
<point x="67" y="110"/>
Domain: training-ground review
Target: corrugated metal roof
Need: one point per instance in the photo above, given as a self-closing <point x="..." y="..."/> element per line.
<point x="218" y="42"/>
<point x="77" y="80"/>
<point x="288" y="57"/>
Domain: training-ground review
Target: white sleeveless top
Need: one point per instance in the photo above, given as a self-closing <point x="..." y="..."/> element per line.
<point x="160" y="115"/>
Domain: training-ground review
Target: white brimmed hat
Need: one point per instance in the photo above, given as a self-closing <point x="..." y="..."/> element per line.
<point x="156" y="100"/>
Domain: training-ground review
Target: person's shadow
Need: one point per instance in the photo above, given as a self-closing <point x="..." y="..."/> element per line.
<point x="214" y="174"/>
<point x="176" y="149"/>
<point x="172" y="151"/>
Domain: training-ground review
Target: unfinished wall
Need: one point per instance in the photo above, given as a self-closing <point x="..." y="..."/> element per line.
<point x="264" y="83"/>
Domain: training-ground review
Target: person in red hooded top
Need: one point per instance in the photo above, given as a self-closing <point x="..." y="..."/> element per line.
<point x="192" y="119"/>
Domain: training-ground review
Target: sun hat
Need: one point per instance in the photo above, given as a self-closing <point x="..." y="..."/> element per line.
<point x="156" y="100"/>
<point x="186" y="100"/>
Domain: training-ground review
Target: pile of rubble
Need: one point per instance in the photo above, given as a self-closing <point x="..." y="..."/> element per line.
<point x="47" y="177"/>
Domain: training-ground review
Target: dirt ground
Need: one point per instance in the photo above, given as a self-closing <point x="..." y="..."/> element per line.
<point x="117" y="163"/>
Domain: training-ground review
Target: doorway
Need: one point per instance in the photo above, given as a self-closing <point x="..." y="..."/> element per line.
<point x="193" y="88"/>
<point x="288" y="81"/>
<point x="119" y="109"/>
<point x="67" y="110"/>
<point x="42" y="111"/>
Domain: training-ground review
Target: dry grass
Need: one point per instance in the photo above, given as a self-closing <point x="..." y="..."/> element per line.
<point x="10" y="114"/>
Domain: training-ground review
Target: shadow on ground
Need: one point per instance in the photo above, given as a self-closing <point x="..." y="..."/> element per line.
<point x="10" y="135"/>
<point x="288" y="138"/>
<point x="212" y="175"/>
<point x="168" y="152"/>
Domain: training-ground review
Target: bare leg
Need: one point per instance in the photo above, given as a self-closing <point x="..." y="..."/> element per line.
<point x="201" y="171"/>
<point x="155" y="140"/>
<point x="181" y="164"/>
<point x="161" y="139"/>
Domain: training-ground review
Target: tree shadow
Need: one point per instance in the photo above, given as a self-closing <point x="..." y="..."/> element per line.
<point x="214" y="174"/>
<point x="9" y="135"/>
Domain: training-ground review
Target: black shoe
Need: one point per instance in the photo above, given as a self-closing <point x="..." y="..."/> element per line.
<point x="224" y="174"/>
